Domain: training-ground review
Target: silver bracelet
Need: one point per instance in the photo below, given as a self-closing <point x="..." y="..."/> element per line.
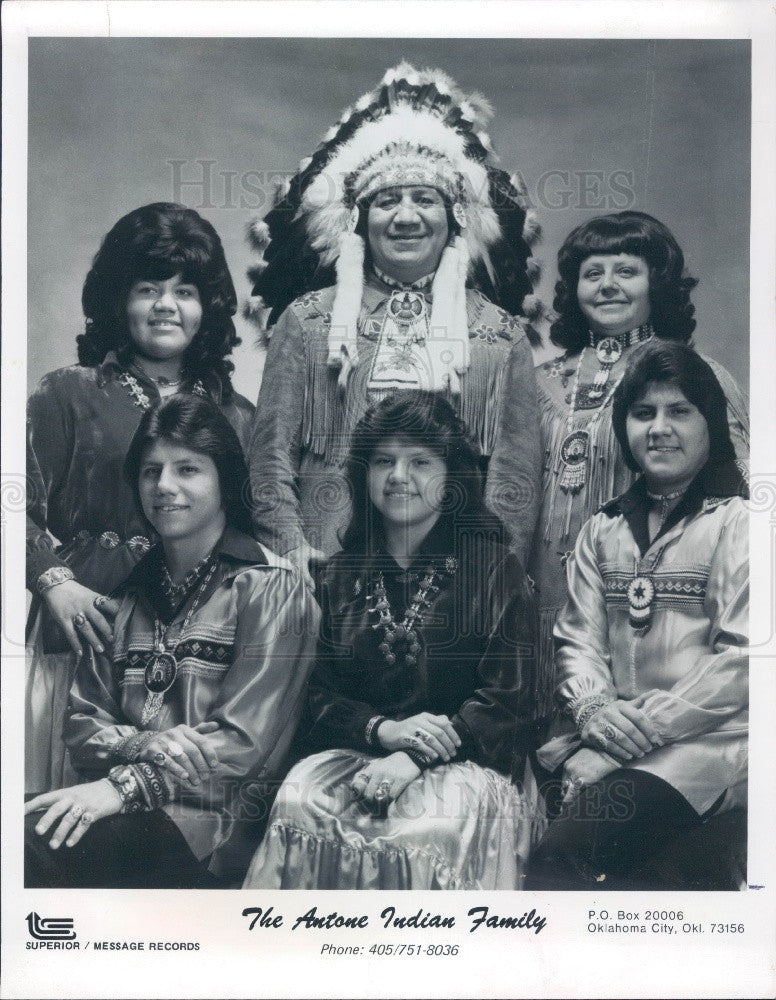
<point x="370" y="733"/>
<point x="52" y="576"/>
<point x="123" y="779"/>
<point x="585" y="710"/>
<point x="128" y="749"/>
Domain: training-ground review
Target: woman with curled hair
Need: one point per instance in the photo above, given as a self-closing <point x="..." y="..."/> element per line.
<point x="652" y="650"/>
<point x="423" y="699"/>
<point x="622" y="281"/>
<point x="177" y="728"/>
<point x="158" y="302"/>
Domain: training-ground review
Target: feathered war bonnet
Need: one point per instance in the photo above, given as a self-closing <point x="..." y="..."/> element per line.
<point x="415" y="128"/>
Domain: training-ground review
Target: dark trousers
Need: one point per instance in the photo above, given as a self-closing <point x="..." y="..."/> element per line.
<point x="618" y="834"/>
<point x="126" y="851"/>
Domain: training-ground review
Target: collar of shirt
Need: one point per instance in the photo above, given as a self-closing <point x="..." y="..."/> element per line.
<point x="234" y="549"/>
<point x="713" y="485"/>
<point x="111" y="368"/>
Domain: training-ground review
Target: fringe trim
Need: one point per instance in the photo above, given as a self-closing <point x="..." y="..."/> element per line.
<point x="547" y="672"/>
<point x="481" y="400"/>
<point x="330" y="416"/>
<point x="607" y="473"/>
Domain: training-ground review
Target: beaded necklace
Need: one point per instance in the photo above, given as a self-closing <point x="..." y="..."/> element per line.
<point x="415" y="286"/>
<point x="162" y="666"/>
<point x="176" y="592"/>
<point x="575" y="447"/>
<point x="407" y="630"/>
<point x="160" y="380"/>
<point x="664" y="503"/>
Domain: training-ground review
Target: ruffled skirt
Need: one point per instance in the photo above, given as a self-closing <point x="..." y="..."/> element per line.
<point x="457" y="826"/>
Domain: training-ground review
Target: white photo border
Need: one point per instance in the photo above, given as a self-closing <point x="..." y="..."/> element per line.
<point x="232" y="961"/>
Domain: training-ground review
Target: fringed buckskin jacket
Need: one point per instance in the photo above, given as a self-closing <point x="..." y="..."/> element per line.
<point x="243" y="662"/>
<point x="80" y="422"/>
<point x="303" y="422"/>
<point x="690" y="671"/>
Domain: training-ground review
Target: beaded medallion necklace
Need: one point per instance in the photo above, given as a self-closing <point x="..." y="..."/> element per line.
<point x="641" y="590"/>
<point x="162" y="666"/>
<point x="575" y="447"/>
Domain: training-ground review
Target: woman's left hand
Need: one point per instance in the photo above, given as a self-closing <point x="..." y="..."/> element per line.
<point x="584" y="768"/>
<point x="383" y="780"/>
<point x="76" y="809"/>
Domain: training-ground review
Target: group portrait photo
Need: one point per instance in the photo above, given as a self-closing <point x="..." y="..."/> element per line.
<point x="387" y="464"/>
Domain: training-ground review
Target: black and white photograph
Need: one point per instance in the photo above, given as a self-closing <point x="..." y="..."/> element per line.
<point x="397" y="459"/>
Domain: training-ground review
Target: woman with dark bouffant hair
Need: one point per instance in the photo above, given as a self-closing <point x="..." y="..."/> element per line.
<point x="622" y="281"/>
<point x="651" y="652"/>
<point x="158" y="302"/>
<point x="176" y="729"/>
<point x="425" y="696"/>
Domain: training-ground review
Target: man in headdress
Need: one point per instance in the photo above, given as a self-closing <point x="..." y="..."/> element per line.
<point x="397" y="257"/>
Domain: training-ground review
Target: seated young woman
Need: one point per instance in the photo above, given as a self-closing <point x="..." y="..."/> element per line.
<point x="423" y="696"/>
<point x="651" y="646"/>
<point x="194" y="711"/>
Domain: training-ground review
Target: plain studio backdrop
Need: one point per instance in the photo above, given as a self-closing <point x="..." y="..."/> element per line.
<point x="591" y="126"/>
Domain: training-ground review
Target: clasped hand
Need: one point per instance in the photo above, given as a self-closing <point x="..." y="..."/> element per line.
<point x="584" y="768"/>
<point x="431" y="735"/>
<point x="185" y="752"/>
<point x="384" y="779"/>
<point x="622" y="731"/>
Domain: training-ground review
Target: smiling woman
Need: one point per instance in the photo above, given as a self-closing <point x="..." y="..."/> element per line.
<point x="613" y="293"/>
<point x="163" y="318"/>
<point x="158" y="302"/>
<point x="651" y="650"/>
<point x="622" y="281"/>
<point x="424" y="696"/>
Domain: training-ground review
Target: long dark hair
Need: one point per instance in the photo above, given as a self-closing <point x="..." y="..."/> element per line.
<point x="156" y="242"/>
<point x="669" y="361"/>
<point x="671" y="311"/>
<point x="425" y="419"/>
<point x="196" y="423"/>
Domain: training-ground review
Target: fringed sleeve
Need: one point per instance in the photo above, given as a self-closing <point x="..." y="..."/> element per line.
<point x="737" y="410"/>
<point x="513" y="488"/>
<point x="274" y="451"/>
